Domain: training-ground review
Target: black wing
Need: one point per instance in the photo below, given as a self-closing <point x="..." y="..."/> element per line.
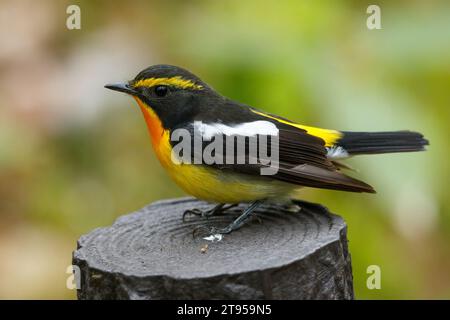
<point x="301" y="161"/>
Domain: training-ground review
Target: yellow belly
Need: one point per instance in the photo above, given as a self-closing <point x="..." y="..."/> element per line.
<point x="216" y="185"/>
<point x="207" y="183"/>
<point x="225" y="187"/>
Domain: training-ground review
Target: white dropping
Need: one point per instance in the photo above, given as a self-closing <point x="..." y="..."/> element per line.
<point x="214" y="237"/>
<point x="260" y="127"/>
<point x="337" y="152"/>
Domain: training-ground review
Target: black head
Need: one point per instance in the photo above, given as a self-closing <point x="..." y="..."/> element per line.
<point x="173" y="93"/>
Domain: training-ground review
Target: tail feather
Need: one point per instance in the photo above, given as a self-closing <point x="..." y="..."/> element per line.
<point x="355" y="143"/>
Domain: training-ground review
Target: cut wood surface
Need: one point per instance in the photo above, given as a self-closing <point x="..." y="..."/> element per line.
<point x="281" y="253"/>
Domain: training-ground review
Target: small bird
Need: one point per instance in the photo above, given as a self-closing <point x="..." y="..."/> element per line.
<point x="173" y="98"/>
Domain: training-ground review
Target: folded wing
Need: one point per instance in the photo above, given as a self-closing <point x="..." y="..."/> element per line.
<point x="302" y="158"/>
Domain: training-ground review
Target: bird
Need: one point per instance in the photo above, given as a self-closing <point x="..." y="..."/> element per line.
<point x="173" y="99"/>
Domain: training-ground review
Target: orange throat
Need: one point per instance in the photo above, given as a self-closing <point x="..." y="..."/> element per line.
<point x="159" y="136"/>
<point x="154" y="125"/>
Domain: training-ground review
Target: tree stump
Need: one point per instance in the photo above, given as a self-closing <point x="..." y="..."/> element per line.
<point x="281" y="253"/>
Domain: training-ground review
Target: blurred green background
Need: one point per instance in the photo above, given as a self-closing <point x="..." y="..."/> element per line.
<point x="74" y="156"/>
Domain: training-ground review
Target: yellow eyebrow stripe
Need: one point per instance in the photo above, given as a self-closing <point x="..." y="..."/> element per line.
<point x="172" y="81"/>
<point x="329" y="136"/>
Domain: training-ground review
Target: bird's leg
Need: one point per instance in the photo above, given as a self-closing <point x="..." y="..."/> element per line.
<point x="236" y="224"/>
<point x="218" y="209"/>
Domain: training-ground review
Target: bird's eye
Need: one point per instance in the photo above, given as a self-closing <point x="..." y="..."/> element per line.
<point x="161" y="91"/>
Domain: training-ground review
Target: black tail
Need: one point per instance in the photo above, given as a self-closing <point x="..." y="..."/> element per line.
<point x="382" y="142"/>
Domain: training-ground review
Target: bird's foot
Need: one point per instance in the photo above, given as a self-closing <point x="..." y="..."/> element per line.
<point x="214" y="233"/>
<point x="205" y="214"/>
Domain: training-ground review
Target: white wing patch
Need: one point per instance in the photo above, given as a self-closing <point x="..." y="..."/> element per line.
<point x="337" y="152"/>
<point x="260" y="127"/>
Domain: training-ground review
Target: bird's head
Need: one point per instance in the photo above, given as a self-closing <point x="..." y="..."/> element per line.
<point x="171" y="93"/>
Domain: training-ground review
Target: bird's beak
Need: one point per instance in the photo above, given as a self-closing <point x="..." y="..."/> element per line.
<point x="122" y="87"/>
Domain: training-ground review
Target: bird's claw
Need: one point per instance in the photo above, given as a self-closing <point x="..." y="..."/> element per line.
<point x="207" y="230"/>
<point x="195" y="212"/>
<point x="219" y="209"/>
